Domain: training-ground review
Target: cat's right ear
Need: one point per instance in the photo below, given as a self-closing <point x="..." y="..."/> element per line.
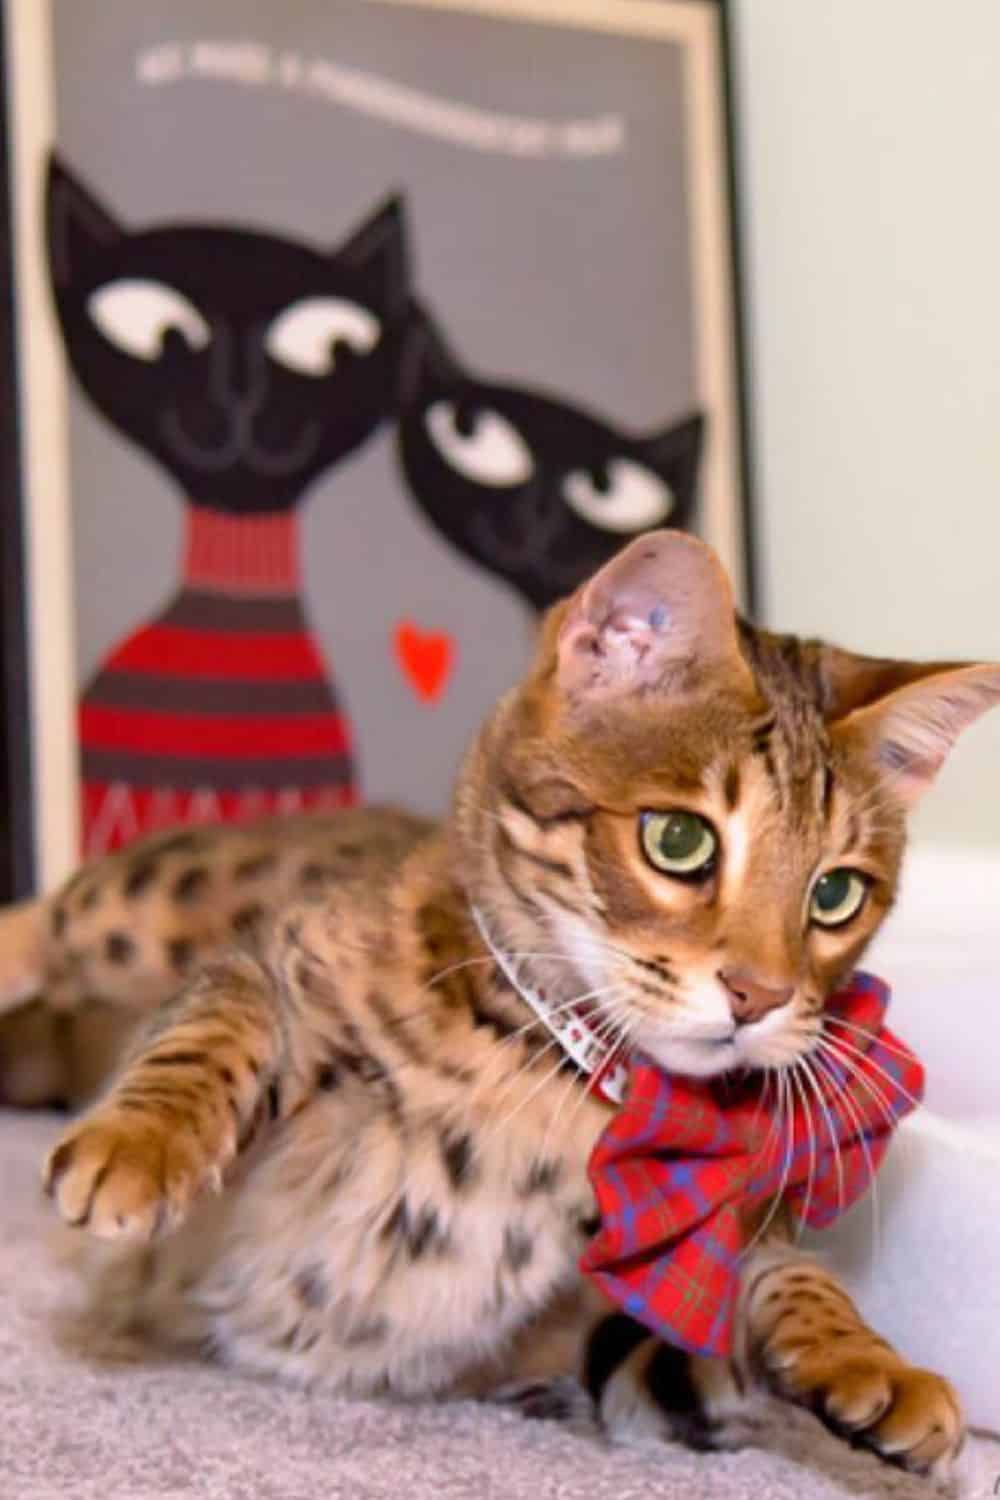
<point x="910" y="728"/>
<point x="658" y="617"/>
<point x="378" y="254"/>
<point x="78" y="228"/>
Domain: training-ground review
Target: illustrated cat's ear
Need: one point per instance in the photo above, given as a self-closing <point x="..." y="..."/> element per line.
<point x="78" y="228"/>
<point x="428" y="366"/>
<point x="377" y="253"/>
<point x="659" y="615"/>
<point x="680" y="443"/>
<point x="911" y="725"/>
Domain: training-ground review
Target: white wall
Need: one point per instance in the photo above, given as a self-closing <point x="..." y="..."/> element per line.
<point x="870" y="146"/>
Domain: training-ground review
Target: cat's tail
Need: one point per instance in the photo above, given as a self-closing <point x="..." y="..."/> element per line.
<point x="23" y="952"/>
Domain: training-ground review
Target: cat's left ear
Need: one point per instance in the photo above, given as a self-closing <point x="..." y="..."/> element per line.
<point x="911" y="728"/>
<point x="659" y="616"/>
<point x="78" y="227"/>
<point x="378" y="254"/>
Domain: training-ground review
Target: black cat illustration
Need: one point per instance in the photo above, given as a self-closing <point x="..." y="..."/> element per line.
<point x="246" y="365"/>
<point x="536" y="490"/>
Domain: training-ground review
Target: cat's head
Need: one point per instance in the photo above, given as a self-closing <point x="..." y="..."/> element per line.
<point x="538" y="491"/>
<point x="704" y="821"/>
<point x="246" y="364"/>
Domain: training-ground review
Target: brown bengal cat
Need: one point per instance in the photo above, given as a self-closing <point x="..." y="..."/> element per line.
<point x="340" y="1146"/>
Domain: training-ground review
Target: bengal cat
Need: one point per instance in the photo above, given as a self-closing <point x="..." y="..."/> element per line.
<point x="341" y="1147"/>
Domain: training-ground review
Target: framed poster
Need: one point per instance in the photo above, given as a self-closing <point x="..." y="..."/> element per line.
<point x="349" y="340"/>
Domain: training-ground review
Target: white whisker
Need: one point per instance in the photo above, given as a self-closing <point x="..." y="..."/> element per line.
<point x="834" y="1139"/>
<point x="811" y="1134"/>
<point x="842" y="1093"/>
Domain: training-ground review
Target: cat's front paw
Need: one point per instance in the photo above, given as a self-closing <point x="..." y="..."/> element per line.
<point x="123" y="1177"/>
<point x="862" y="1389"/>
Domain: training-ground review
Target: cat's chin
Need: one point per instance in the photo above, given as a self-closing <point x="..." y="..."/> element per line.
<point x="692" y="1058"/>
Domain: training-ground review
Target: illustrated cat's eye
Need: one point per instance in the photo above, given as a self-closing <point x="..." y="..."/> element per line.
<point x="837" y="896"/>
<point x="305" y="336"/>
<point x="135" y="314"/>
<point x="484" y="446"/>
<point x="627" y="498"/>
<point x="679" y="843"/>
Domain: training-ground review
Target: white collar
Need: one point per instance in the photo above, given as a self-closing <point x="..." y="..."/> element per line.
<point x="571" y="1027"/>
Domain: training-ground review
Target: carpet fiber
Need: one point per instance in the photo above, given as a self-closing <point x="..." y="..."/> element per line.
<point x="71" y="1428"/>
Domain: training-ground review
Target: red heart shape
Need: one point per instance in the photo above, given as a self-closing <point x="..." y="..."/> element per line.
<point x="426" y="658"/>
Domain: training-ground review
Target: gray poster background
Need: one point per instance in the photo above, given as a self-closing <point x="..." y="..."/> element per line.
<point x="566" y="273"/>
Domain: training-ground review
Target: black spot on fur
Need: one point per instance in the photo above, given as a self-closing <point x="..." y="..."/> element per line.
<point x="364" y="1065"/>
<point x="658" y="966"/>
<point x="292" y="1338"/>
<point x="327" y="1078"/>
<point x="119" y="948"/>
<point x="368" y="1331"/>
<point x="312" y="1287"/>
<point x="432" y="925"/>
<point x="669" y="1381"/>
<point x="246" y="921"/>
<point x="456" y="1073"/>
<point x="731" y="786"/>
<point x="483" y="1015"/>
<point x="518" y="1248"/>
<point x="349" y="851"/>
<point x="610" y="1345"/>
<point x="543" y="1176"/>
<point x="191" y="884"/>
<point x="828" y="786"/>
<point x="588" y="1225"/>
<point x="255" y="866"/>
<point x="174" y="1059"/>
<point x="420" y="1233"/>
<point x="140" y="876"/>
<point x="456" y="1153"/>
<point x="314" y="874"/>
<point x="180" y="954"/>
<point x="762" y="734"/>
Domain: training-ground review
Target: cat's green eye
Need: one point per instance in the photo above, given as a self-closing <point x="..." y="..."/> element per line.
<point x="837" y="896"/>
<point x="678" y="843"/>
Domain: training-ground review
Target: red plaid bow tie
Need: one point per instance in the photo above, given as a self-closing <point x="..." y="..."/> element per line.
<point x="684" y="1157"/>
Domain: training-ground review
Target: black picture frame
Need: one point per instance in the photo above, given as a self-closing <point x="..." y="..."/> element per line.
<point x="17" y="835"/>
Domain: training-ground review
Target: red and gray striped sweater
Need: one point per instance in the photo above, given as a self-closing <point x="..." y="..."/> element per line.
<point x="221" y="708"/>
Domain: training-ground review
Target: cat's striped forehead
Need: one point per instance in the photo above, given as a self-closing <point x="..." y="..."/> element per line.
<point x="763" y="764"/>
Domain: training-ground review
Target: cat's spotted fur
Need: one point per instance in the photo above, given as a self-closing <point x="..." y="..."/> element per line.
<point x="345" y="1150"/>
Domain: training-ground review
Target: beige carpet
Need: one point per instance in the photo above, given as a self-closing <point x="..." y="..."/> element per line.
<point x="69" y="1428"/>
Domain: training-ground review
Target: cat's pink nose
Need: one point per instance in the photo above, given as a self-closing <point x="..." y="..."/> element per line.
<point x="749" y="999"/>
